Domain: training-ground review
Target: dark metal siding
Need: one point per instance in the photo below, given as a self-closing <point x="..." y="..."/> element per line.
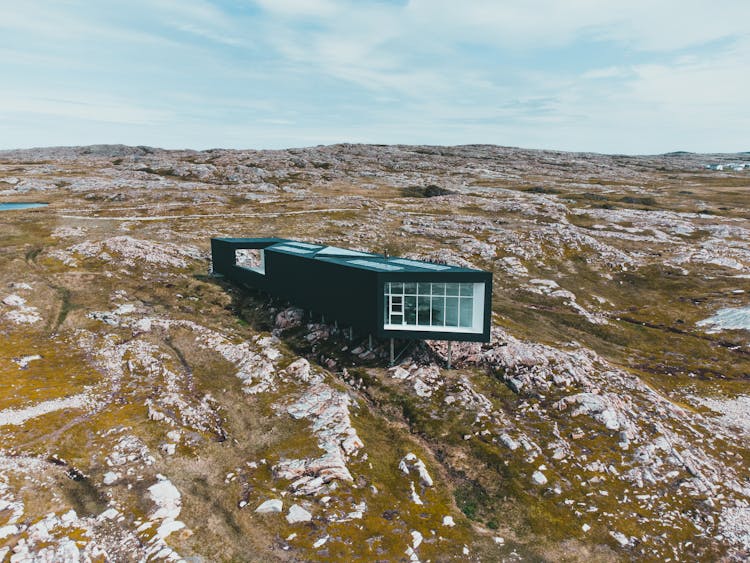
<point x="340" y="293"/>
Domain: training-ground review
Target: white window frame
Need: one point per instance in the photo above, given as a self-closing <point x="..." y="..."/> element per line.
<point x="477" y="326"/>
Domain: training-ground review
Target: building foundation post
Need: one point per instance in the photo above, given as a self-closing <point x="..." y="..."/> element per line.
<point x="449" y="354"/>
<point x="392" y="354"/>
<point x="369" y="342"/>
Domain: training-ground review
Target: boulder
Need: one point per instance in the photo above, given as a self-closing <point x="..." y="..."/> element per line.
<point x="270" y="506"/>
<point x="298" y="514"/>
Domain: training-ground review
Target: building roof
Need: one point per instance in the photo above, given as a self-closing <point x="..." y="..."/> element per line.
<point x="353" y="258"/>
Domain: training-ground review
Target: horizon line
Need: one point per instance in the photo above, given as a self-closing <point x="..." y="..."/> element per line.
<point x="676" y="152"/>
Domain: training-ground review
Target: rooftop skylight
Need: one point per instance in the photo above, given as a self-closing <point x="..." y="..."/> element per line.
<point x="336" y="251"/>
<point x="291" y="249"/>
<point x="302" y="244"/>
<point x="376" y="265"/>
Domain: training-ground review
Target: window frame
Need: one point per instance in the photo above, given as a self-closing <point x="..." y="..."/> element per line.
<point x="467" y="296"/>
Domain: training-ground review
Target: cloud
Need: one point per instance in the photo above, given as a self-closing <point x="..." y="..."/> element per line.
<point x="706" y="94"/>
<point x="87" y="109"/>
<point x="302" y="8"/>
<point x="641" y="24"/>
<point x="197" y="17"/>
<point x="425" y="46"/>
<point x="576" y="74"/>
<point x="606" y="72"/>
<point x="49" y="23"/>
<point x="533" y="24"/>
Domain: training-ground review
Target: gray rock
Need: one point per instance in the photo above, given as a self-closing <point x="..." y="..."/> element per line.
<point x="508" y="442"/>
<point x="298" y="514"/>
<point x="273" y="505"/>
<point x="538" y="478"/>
<point x="515" y="384"/>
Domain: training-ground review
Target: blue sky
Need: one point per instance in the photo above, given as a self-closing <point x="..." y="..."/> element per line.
<point x="598" y="75"/>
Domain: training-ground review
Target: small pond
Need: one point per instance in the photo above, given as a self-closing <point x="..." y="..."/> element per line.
<point x="19" y="205"/>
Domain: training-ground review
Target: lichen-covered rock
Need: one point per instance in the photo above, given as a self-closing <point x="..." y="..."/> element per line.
<point x="270" y="506"/>
<point x="298" y="514"/>
<point x="328" y="412"/>
<point x="411" y="462"/>
<point x="289" y="318"/>
<point x="131" y="252"/>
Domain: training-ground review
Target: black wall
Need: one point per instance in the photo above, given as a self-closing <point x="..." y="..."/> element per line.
<point x="341" y="293"/>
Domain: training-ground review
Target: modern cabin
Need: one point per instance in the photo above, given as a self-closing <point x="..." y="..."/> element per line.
<point x="386" y="297"/>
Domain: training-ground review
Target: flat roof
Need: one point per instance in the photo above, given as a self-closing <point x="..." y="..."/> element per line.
<point x="351" y="258"/>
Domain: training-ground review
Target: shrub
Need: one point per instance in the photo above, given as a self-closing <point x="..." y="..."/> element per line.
<point x="542" y="190"/>
<point x="638" y="200"/>
<point x="425" y="191"/>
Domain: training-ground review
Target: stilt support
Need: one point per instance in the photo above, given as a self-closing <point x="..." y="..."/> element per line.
<point x="392" y="353"/>
<point x="449" y="354"/>
<point x="369" y="342"/>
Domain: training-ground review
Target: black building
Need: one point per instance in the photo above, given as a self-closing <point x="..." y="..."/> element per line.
<point x="386" y="297"/>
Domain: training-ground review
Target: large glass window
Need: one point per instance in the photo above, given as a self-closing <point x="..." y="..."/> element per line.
<point x="466" y="313"/>
<point x="431" y="306"/>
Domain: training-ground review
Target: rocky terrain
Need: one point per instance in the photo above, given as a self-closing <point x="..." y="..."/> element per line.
<point x="150" y="411"/>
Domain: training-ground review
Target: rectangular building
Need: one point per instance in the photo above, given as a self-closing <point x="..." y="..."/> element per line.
<point x="387" y="297"/>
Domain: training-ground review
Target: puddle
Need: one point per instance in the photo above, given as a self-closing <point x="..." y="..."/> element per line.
<point x="20" y="205"/>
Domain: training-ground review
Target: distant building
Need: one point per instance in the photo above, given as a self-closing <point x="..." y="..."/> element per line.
<point x="386" y="297"/>
<point x="737" y="167"/>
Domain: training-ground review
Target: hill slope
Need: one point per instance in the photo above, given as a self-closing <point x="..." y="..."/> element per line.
<point x="151" y="411"/>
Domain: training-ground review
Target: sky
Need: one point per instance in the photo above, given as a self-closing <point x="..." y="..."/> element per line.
<point x="613" y="76"/>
